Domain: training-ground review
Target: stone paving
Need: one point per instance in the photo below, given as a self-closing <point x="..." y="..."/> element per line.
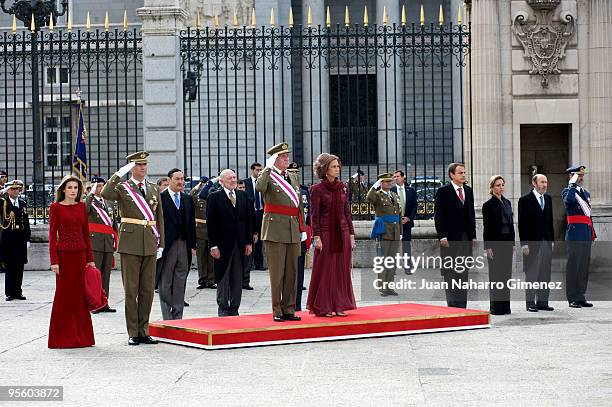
<point x="561" y="358"/>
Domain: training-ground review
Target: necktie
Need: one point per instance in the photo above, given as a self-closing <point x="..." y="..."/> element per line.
<point x="141" y="188"/>
<point x="232" y="199"/>
<point x="460" y="190"/>
<point x="257" y="201"/>
<point x="402" y="195"/>
<point x="542" y="202"/>
<point x="177" y="200"/>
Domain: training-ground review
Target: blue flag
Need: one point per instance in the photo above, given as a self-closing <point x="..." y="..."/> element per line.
<point x="79" y="160"/>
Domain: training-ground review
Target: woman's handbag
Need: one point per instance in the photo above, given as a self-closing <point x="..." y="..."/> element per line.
<point x="94" y="293"/>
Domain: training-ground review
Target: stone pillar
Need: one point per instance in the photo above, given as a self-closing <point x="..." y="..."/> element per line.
<point x="486" y="85"/>
<point x="315" y="92"/>
<point x="162" y="21"/>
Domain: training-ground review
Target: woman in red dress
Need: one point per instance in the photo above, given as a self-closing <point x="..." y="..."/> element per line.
<point x="330" y="290"/>
<point x="70" y="252"/>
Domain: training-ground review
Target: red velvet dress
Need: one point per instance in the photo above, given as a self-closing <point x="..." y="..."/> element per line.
<point x="330" y="288"/>
<point x="70" y="247"/>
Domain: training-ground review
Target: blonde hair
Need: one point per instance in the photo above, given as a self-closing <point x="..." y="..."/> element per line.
<point x="60" y="194"/>
<point x="492" y="182"/>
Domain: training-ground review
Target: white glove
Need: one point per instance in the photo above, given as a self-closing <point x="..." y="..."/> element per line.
<point x="573" y="179"/>
<point x="377" y="184"/>
<point x="28" y="245"/>
<point x="125" y="169"/>
<point x="215" y="180"/>
<point x="304" y="237"/>
<point x="159" y="252"/>
<point x="270" y="161"/>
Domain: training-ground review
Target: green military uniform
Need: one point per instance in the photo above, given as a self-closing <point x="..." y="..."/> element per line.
<point x="138" y="246"/>
<point x="387" y="206"/>
<point x="102" y="243"/>
<point x="206" y="272"/>
<point x="360" y="208"/>
<point x="281" y="234"/>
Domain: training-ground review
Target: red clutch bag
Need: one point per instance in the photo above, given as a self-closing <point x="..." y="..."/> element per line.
<point x="94" y="293"/>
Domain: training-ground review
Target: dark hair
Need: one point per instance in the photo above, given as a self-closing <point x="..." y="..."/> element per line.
<point x="241" y="182"/>
<point x="452" y="167"/>
<point x="173" y="171"/>
<point x="255" y="165"/>
<point x="401" y="173"/>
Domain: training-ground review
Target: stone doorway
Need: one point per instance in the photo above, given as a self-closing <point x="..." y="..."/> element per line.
<point x="545" y="149"/>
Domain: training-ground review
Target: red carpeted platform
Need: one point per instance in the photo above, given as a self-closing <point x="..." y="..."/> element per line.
<point x="257" y="330"/>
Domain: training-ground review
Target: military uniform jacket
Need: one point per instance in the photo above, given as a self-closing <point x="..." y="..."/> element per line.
<point x="576" y="231"/>
<point x="276" y="227"/>
<point x="14" y="231"/>
<point x="100" y="242"/>
<point x="200" y="212"/>
<point x="137" y="240"/>
<point x="383" y="206"/>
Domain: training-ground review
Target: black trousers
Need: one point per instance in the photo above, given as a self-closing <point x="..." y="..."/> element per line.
<point x="500" y="271"/>
<point x="537" y="269"/>
<point x="13" y="277"/>
<point x="300" y="278"/>
<point x="456" y="276"/>
<point x="578" y="262"/>
<point x="258" y="257"/>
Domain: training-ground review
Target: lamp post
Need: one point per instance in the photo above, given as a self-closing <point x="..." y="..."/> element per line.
<point x="41" y="11"/>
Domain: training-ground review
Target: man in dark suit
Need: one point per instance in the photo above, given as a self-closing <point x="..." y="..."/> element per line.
<point x="14" y="239"/>
<point x="248" y="260"/>
<point x="179" y="227"/>
<point x="536" y="232"/>
<point x="455" y="222"/>
<point x="230" y="232"/>
<point x="408" y="207"/>
<point x="258" y="204"/>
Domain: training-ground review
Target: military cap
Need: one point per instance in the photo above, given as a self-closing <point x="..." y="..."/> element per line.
<point x="204" y="178"/>
<point x="3" y="173"/>
<point x="139" y="157"/>
<point x="359" y="172"/>
<point x="280" y="148"/>
<point x="386" y="177"/>
<point x="16" y="183"/>
<point x="293" y="167"/>
<point x="95" y="180"/>
<point x="576" y="169"/>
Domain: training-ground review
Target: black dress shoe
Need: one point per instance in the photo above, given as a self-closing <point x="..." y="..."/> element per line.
<point x="9" y="298"/>
<point x="109" y="309"/>
<point x="291" y="317"/>
<point x="392" y="293"/>
<point x="201" y="286"/>
<point x="545" y="308"/>
<point x="133" y="340"/>
<point x="575" y="304"/>
<point x="384" y="293"/>
<point x="185" y="304"/>
<point x="247" y="287"/>
<point x="532" y="308"/>
<point x="278" y="319"/>
<point x="213" y="286"/>
<point x="21" y="297"/>
<point x="585" y="304"/>
<point x="304" y="288"/>
<point x="147" y="340"/>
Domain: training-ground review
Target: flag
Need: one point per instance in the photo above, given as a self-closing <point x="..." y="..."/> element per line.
<point x="79" y="160"/>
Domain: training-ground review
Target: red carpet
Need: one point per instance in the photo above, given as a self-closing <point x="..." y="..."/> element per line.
<point x="260" y="329"/>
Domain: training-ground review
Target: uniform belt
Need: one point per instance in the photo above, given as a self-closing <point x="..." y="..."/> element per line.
<point x="285" y="210"/>
<point x="584" y="220"/>
<point x="141" y="222"/>
<point x="198" y="220"/>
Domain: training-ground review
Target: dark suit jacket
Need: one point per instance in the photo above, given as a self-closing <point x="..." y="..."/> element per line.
<point x="451" y="217"/>
<point x="409" y="211"/>
<point x="492" y="216"/>
<point x="535" y="224"/>
<point x="171" y="222"/>
<point x="228" y="225"/>
<point x="248" y="184"/>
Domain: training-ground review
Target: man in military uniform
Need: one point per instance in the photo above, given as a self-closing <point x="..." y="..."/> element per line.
<point x="282" y="230"/>
<point x="102" y="233"/>
<point x="387" y="227"/>
<point x="305" y="197"/>
<point x="141" y="241"/>
<point x="3" y="180"/>
<point x="14" y="239"/>
<point x="358" y="190"/>
<point x="206" y="272"/>
<point x="579" y="235"/>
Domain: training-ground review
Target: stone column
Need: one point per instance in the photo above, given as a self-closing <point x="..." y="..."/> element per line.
<point x="486" y="85"/>
<point x="162" y="21"/>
